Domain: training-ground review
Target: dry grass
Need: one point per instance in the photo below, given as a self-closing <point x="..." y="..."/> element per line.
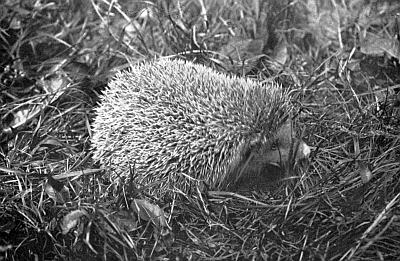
<point x="56" y="57"/>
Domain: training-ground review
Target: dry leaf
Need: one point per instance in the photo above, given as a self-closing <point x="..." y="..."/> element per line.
<point x="57" y="191"/>
<point x="148" y="211"/>
<point x="373" y="44"/>
<point x="365" y="173"/>
<point x="71" y="220"/>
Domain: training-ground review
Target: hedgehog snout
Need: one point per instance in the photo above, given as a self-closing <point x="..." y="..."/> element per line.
<point x="303" y="151"/>
<point x="306" y="150"/>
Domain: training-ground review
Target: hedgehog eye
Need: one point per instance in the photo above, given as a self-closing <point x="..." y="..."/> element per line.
<point x="275" y="145"/>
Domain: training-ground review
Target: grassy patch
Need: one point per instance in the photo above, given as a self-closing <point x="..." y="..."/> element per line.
<point x="340" y="62"/>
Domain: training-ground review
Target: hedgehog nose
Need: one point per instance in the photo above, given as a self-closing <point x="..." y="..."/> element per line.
<point x="305" y="150"/>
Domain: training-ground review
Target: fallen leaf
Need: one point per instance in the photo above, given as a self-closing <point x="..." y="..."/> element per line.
<point x="149" y="212"/>
<point x="373" y="44"/>
<point x="57" y="191"/>
<point x="71" y="220"/>
<point x="365" y="173"/>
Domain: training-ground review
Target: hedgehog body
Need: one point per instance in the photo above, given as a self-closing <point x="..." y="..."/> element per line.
<point x="177" y="124"/>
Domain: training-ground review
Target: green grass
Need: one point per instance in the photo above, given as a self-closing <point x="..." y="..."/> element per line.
<point x="56" y="58"/>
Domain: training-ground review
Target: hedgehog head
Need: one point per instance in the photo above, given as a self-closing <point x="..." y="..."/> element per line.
<point x="263" y="162"/>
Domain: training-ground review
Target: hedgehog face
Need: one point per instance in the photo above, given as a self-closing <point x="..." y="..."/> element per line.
<point x="283" y="148"/>
<point x="271" y="161"/>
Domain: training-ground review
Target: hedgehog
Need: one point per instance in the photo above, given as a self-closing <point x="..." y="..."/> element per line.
<point x="179" y="125"/>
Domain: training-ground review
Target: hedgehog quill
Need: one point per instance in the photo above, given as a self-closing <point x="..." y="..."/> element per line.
<point x="182" y="124"/>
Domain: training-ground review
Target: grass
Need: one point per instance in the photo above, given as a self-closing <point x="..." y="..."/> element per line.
<point x="56" y="58"/>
